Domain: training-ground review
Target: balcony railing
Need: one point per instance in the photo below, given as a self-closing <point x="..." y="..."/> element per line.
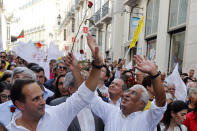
<point x="97" y="16"/>
<point x="105" y="9"/>
<point x="131" y="3"/>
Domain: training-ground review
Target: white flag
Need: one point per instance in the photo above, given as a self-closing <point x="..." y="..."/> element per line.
<point x="181" y="89"/>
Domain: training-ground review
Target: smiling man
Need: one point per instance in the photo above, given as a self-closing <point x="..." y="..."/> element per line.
<point x="130" y="117"/>
<point x="28" y="97"/>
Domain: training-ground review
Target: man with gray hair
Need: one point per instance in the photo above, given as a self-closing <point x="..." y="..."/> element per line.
<point x="130" y="116"/>
<point x="22" y="72"/>
<point x="18" y="73"/>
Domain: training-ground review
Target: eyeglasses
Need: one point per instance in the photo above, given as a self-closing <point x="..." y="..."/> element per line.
<point x="2" y="56"/>
<point x="171" y="89"/>
<point x="61" y="67"/>
<point x="3" y="96"/>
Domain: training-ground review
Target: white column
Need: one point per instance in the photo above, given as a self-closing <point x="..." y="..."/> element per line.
<point x="163" y="38"/>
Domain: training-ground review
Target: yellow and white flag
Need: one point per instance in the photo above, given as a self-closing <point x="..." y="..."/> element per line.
<point x="137" y="32"/>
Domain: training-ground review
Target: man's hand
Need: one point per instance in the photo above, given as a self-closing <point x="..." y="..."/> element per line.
<point x="71" y="62"/>
<point x="95" y="50"/>
<point x="145" y="65"/>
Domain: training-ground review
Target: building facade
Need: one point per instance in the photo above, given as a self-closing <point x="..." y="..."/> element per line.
<point x="168" y="36"/>
<point x="40" y="21"/>
<point x="5" y="38"/>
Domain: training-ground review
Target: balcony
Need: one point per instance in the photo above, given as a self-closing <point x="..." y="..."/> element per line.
<point x="131" y="3"/>
<point x="69" y="15"/>
<point x="106" y="12"/>
<point x="97" y="16"/>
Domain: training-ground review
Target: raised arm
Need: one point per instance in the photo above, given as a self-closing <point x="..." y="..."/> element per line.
<point x="147" y="66"/>
<point x="72" y="64"/>
<point x="93" y="77"/>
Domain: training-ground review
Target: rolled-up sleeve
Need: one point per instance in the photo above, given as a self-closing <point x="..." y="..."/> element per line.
<point x="154" y="114"/>
<point x="66" y="111"/>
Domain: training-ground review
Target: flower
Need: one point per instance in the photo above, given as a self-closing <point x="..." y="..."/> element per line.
<point x="81" y="51"/>
<point x="90" y="4"/>
<point x="39" y="45"/>
<point x="12" y="109"/>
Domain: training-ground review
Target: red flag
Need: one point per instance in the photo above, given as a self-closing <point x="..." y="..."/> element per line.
<point x="73" y="39"/>
<point x="21" y="35"/>
<point x="85" y="29"/>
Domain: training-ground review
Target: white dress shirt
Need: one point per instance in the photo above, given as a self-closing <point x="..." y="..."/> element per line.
<point x="114" y="120"/>
<point x="58" y="118"/>
<point x="86" y="120"/>
<point x="176" y="128"/>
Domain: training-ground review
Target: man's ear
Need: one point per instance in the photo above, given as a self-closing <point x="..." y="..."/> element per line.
<point x="20" y="105"/>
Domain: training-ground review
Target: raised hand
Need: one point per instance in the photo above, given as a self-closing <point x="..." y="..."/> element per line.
<point x="95" y="50"/>
<point x="71" y="62"/>
<point x="145" y="65"/>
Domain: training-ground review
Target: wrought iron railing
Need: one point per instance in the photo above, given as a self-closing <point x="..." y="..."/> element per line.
<point x="97" y="16"/>
<point x="105" y="9"/>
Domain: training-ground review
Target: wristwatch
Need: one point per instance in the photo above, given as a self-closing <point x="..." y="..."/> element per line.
<point x="96" y="66"/>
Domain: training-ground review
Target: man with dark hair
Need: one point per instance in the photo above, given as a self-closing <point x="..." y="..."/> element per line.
<point x="34" y="116"/>
<point x="102" y="90"/>
<point x="40" y="75"/>
<point x="18" y="73"/>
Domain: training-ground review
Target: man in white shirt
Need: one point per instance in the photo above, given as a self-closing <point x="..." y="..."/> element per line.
<point x="116" y="91"/>
<point x="29" y="99"/>
<point x="130" y="117"/>
<point x="18" y="73"/>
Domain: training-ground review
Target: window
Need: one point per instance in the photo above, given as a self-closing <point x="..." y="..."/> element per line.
<point x="64" y="34"/>
<point x="177" y="49"/>
<point x="151" y="49"/>
<point x="152" y="17"/>
<point x="178" y="13"/>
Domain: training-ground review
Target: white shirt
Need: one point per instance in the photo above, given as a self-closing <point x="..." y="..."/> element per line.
<point x="58" y="118"/>
<point x="86" y="120"/>
<point x="103" y="90"/>
<point x="47" y="93"/>
<point x="114" y="120"/>
<point x="176" y="128"/>
<point x="117" y="102"/>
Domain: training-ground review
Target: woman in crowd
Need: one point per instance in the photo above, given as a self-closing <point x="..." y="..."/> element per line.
<point x="4" y="92"/>
<point x="191" y="120"/>
<point x="192" y="95"/>
<point x="7" y="76"/>
<point x="60" y="89"/>
<point x="170" y="96"/>
<point x="174" y="117"/>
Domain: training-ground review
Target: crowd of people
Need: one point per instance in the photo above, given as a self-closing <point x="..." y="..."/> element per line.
<point x="93" y="96"/>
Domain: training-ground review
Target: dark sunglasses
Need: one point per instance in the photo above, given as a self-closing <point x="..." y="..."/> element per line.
<point x="61" y="67"/>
